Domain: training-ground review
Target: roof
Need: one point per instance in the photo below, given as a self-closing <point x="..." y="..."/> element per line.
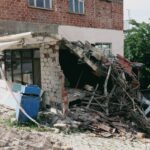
<point x="8" y="41"/>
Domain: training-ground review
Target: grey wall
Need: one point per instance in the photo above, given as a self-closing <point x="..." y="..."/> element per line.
<point x="12" y="27"/>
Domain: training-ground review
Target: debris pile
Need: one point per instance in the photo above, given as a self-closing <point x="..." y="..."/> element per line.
<point x="100" y="124"/>
<point x="113" y="105"/>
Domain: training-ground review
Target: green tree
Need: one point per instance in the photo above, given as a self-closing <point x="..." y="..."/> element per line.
<point x="137" y="48"/>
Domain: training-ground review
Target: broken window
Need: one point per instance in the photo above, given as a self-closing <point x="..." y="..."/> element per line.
<point x="76" y="6"/>
<point x="46" y="4"/>
<point x="21" y="66"/>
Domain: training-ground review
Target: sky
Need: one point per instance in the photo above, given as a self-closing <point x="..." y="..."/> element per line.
<point x="137" y="9"/>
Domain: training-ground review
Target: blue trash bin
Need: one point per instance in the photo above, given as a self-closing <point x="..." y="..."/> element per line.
<point x="30" y="102"/>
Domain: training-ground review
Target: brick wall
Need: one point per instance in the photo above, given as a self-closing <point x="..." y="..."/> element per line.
<point x="98" y="13"/>
<point x="51" y="73"/>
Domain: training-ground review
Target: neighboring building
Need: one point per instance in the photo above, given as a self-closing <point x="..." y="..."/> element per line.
<point x="97" y="21"/>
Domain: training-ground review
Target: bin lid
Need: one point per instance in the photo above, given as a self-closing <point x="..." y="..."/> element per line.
<point x="31" y="90"/>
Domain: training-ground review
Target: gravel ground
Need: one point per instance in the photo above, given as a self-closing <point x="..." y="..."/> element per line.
<point x="14" y="138"/>
<point x="87" y="142"/>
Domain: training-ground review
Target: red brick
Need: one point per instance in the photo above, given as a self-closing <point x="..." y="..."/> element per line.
<point x="100" y="14"/>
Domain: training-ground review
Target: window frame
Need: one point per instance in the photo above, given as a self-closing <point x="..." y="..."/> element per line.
<point x="73" y="10"/>
<point x="105" y="51"/>
<point x="35" y="5"/>
<point x="21" y="59"/>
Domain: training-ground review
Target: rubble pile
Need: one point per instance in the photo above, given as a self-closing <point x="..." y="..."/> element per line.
<point x="114" y="105"/>
<point x="100" y="124"/>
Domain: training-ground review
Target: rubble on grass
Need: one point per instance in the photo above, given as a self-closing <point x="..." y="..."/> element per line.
<point x="108" y="102"/>
<point x="113" y="105"/>
<point x="22" y="137"/>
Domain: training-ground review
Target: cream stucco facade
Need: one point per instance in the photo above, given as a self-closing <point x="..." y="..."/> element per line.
<point x="93" y="35"/>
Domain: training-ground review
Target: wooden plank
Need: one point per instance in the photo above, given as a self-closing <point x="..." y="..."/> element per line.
<point x="92" y="96"/>
<point x="15" y="37"/>
<point x="78" y="51"/>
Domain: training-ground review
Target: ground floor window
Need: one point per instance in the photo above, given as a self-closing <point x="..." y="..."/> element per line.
<point x="105" y="48"/>
<point x="23" y="66"/>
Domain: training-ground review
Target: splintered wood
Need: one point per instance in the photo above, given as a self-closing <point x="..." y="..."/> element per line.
<point x="117" y="106"/>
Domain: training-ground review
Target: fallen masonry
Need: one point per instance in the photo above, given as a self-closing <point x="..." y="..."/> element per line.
<point x="90" y="89"/>
<point x="109" y="99"/>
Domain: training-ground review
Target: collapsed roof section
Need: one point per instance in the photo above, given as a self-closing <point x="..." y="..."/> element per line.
<point x="95" y="59"/>
<point x="85" y="52"/>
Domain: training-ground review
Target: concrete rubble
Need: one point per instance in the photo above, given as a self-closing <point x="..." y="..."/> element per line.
<point x="25" y="137"/>
<point x="95" y="92"/>
<point x="111" y="105"/>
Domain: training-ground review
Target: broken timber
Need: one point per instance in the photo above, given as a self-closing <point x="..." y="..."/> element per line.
<point x="81" y="53"/>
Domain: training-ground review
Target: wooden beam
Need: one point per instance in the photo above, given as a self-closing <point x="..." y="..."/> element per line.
<point x="15" y="37"/>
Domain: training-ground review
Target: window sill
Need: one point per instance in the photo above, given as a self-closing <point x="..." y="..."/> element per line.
<point x="74" y="13"/>
<point x="40" y="8"/>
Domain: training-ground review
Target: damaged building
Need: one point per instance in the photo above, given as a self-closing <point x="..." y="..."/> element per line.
<point x="105" y="85"/>
<point x="52" y="65"/>
<point x="51" y="62"/>
<point x="99" y="22"/>
<point x="73" y="51"/>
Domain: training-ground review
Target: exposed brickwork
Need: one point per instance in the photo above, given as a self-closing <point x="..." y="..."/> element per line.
<point x="98" y="13"/>
<point x="51" y="72"/>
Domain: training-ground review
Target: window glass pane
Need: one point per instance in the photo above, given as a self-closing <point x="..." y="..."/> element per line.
<point x="27" y="71"/>
<point x="76" y="6"/>
<point x="16" y="54"/>
<point x="71" y="5"/>
<point x="26" y="66"/>
<point x="8" y="65"/>
<point x="81" y="4"/>
<point x="48" y="4"/>
<point x="8" y="71"/>
<point x="36" y="54"/>
<point x="98" y="46"/>
<point x="105" y="46"/>
<point x="27" y="78"/>
<point x="8" y="55"/>
<point x="17" y="71"/>
<point x="26" y="54"/>
<point x="31" y="2"/>
<point x="40" y="3"/>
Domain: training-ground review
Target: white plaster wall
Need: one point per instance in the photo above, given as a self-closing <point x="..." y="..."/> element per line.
<point x="94" y="35"/>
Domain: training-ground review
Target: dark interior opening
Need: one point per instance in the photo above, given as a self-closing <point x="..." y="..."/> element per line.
<point x="77" y="74"/>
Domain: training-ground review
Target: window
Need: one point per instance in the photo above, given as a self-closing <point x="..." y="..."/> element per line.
<point x="22" y="66"/>
<point x="76" y="6"/>
<point x="105" y="48"/>
<point x="46" y="4"/>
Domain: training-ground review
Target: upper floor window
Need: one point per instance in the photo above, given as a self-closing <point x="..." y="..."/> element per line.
<point x="46" y="4"/>
<point x="76" y="6"/>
